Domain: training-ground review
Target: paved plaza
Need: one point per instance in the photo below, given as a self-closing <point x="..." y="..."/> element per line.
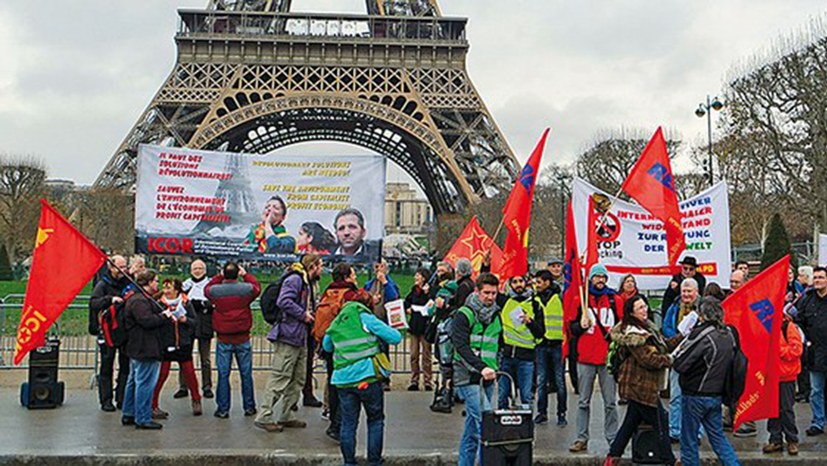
<point x="79" y="433"/>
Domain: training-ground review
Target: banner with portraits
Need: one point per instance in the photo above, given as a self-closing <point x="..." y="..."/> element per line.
<point x="259" y="207"/>
<point x="630" y="240"/>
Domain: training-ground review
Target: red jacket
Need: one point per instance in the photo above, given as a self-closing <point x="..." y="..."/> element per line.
<point x="791" y="350"/>
<point x="592" y="345"/>
<point x="232" y="318"/>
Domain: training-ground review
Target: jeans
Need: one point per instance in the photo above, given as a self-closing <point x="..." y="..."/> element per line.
<point x="522" y="373"/>
<point x="107" y="369"/>
<point x="675" y="406"/>
<point x="637" y="414"/>
<point x="608" y="390"/>
<point x="223" y="360"/>
<point x="704" y="411"/>
<point x="285" y="382"/>
<point x="137" y="400"/>
<point x="470" y="444"/>
<point x="549" y="364"/>
<point x="784" y="424"/>
<point x="332" y="395"/>
<point x="351" y="401"/>
<point x="817" y="398"/>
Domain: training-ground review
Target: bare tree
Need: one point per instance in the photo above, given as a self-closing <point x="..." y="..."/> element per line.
<point x="22" y="181"/>
<point x="776" y="125"/>
<point x="107" y="217"/>
<point x="607" y="163"/>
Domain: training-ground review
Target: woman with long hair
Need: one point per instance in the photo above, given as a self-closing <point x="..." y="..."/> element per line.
<point x="641" y="376"/>
<point x="628" y="286"/>
<point x="178" y="338"/>
<point x="313" y="238"/>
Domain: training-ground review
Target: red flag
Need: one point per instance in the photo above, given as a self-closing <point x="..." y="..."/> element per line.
<point x="63" y="262"/>
<point x="517" y="215"/>
<point x="756" y="310"/>
<point x="572" y="279"/>
<point x="652" y="185"/>
<point x="472" y="244"/>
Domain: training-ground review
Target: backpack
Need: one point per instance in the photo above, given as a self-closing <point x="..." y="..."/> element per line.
<point x="444" y="343"/>
<point x="327" y="310"/>
<point x="615" y="358"/>
<point x="736" y="375"/>
<point x="112" y="323"/>
<point x="269" y="309"/>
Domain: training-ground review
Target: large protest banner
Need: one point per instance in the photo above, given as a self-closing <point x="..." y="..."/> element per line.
<point x="266" y="207"/>
<point x="632" y="241"/>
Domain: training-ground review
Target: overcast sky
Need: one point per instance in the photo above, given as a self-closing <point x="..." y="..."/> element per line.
<point x="76" y="74"/>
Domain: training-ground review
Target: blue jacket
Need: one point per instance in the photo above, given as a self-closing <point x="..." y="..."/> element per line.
<point x="390" y="292"/>
<point x="363" y="369"/>
<point x="670" y="322"/>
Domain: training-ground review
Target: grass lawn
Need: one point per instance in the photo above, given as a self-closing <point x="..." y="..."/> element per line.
<point x="74" y="320"/>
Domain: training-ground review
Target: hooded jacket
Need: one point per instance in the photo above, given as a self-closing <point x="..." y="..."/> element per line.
<point x="643" y="372"/>
<point x="702" y="360"/>
<point x="295" y="301"/>
<point x="791" y="350"/>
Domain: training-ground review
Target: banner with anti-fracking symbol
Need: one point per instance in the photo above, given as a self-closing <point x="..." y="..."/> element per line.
<point x="630" y="240"/>
<point x="267" y="207"/>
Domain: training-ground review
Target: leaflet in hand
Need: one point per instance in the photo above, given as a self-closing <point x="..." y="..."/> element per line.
<point x="688" y="323"/>
<point x="396" y="314"/>
<point x="517" y="316"/>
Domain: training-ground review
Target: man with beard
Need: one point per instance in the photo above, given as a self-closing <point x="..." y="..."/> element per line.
<point x="289" y="337"/>
<point x="108" y="292"/>
<point x="194" y="288"/>
<point x="522" y="322"/>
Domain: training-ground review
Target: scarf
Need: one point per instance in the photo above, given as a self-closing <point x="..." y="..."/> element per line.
<point x="483" y="313"/>
<point x="260" y="235"/>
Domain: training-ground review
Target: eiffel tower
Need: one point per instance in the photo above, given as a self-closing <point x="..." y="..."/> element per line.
<point x="253" y="76"/>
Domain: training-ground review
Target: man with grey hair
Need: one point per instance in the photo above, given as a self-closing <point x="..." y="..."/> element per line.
<point x="684" y="308"/>
<point x="702" y="360"/>
<point x="465" y="282"/>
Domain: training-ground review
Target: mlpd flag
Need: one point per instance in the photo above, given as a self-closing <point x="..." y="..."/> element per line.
<point x="472" y="244"/>
<point x="756" y="311"/>
<point x="652" y="184"/>
<point x="517" y="215"/>
<point x="63" y="262"/>
<point x="572" y="279"/>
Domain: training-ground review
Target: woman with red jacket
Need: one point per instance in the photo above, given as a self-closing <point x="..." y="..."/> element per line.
<point x="791" y="349"/>
<point x="178" y="338"/>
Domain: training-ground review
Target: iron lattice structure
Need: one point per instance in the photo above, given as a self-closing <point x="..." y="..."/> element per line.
<point x="251" y="76"/>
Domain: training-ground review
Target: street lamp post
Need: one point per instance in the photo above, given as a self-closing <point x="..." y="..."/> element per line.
<point x="706" y="110"/>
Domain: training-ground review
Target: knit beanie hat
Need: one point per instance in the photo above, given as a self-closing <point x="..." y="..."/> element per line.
<point x="598" y="269"/>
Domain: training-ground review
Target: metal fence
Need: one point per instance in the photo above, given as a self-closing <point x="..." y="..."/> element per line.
<point x="79" y="350"/>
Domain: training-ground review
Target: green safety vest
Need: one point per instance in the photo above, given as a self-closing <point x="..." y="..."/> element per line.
<point x="552" y="317"/>
<point x="520" y="336"/>
<point x="351" y="342"/>
<point x="485" y="339"/>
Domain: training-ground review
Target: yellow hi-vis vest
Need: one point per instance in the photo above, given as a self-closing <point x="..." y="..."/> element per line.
<point x="552" y="317"/>
<point x="519" y="336"/>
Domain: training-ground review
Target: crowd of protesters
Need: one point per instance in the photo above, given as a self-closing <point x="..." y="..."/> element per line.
<point x="476" y="330"/>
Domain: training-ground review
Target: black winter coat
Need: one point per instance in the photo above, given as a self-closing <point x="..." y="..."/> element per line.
<point x="177" y="339"/>
<point x="702" y="360"/>
<point x="101" y="298"/>
<point x="417" y="322"/>
<point x="812" y="318"/>
<point x="143" y="322"/>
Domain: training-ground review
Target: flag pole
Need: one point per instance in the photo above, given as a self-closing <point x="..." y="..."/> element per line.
<point x="132" y="281"/>
<point x="584" y="283"/>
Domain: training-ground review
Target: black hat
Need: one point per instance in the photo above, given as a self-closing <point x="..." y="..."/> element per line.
<point x="689" y="260"/>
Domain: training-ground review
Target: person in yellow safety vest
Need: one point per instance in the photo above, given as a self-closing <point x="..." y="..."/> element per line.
<point x="549" y="352"/>
<point x="358" y="370"/>
<point x="475" y="334"/>
<point x="522" y="325"/>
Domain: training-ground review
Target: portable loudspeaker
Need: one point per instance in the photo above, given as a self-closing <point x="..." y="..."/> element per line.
<point x="43" y="391"/>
